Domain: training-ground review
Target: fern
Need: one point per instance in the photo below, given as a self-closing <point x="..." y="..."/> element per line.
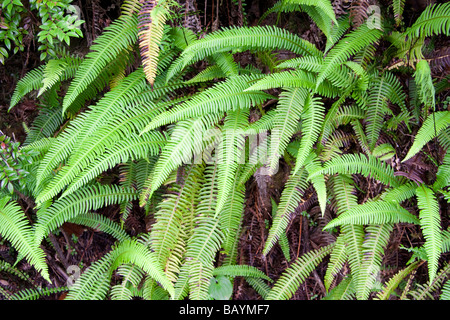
<point x="227" y="95"/>
<point x="347" y="46"/>
<point x="290" y="198"/>
<point x="374" y="212"/>
<point x="433" y="20"/>
<point x="287" y="114"/>
<point x="93" y="284"/>
<point x="117" y="37"/>
<point x="241" y="39"/>
<point x="297" y="272"/>
<point x="152" y="18"/>
<point x="376" y="240"/>
<point x="368" y="166"/>
<point x="430" y="222"/>
<point x="15" y="228"/>
<point x="430" y="127"/>
<point x="82" y="201"/>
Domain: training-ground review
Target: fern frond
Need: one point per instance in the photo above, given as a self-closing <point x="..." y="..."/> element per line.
<point x="424" y="85"/>
<point x="185" y="144"/>
<point x="167" y="229"/>
<point x="368" y="166"/>
<point x="338" y="257"/>
<point x="346" y="47"/>
<point x="432" y="21"/>
<point x="432" y="125"/>
<point x="83" y="126"/>
<point x="295" y="79"/>
<point x="93" y="284"/>
<point x="296" y="273"/>
<point x="231" y="221"/>
<point x="376" y="240"/>
<point x="226" y="95"/>
<point x="82" y="201"/>
<point x="15" y="228"/>
<point x="58" y="70"/>
<point x="240" y="271"/>
<point x="44" y="125"/>
<point x="116" y="37"/>
<point x="374" y="212"/>
<point x="290" y="199"/>
<point x="312" y="119"/>
<point x="101" y="223"/>
<point x="424" y="292"/>
<point x="353" y="235"/>
<point x="133" y="147"/>
<point x="230" y="153"/>
<point x="345" y="290"/>
<point x="30" y="82"/>
<point x="239" y="40"/>
<point x="393" y="283"/>
<point x="206" y="239"/>
<point x="287" y="115"/>
<point x="430" y="222"/>
<point x="35" y="293"/>
<point x="398" y="6"/>
<point x="152" y="18"/>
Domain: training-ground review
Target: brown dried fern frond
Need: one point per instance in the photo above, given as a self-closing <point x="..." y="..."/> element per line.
<point x="152" y="18"/>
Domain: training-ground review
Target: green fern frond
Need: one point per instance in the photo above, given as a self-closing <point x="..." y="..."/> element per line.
<point x="368" y="166"/>
<point x="345" y="290"/>
<point x="59" y="70"/>
<point x="398" y="6"/>
<point x="287" y="115"/>
<point x="239" y="40"/>
<point x="424" y="292"/>
<point x="15" y="228"/>
<point x="93" y="284"/>
<point x="424" y="85"/>
<point x="169" y="218"/>
<point x="312" y="119"/>
<point x="224" y="96"/>
<point x="443" y="173"/>
<point x="133" y="147"/>
<point x="186" y="143"/>
<point x="116" y="37"/>
<point x="206" y="240"/>
<point x="432" y="125"/>
<point x="30" y="82"/>
<point x="343" y="192"/>
<point x="445" y="294"/>
<point x="101" y="223"/>
<point x="82" y="201"/>
<point x="374" y="212"/>
<point x="430" y="222"/>
<point x="432" y="21"/>
<point x="290" y="199"/>
<point x="230" y="153"/>
<point x="296" y="273"/>
<point x="376" y="240"/>
<point x="394" y="282"/>
<point x="295" y="79"/>
<point x="44" y="125"/>
<point x="400" y="193"/>
<point x="83" y="126"/>
<point x="240" y="271"/>
<point x="35" y="293"/>
<point x="338" y="257"/>
<point x="346" y="47"/>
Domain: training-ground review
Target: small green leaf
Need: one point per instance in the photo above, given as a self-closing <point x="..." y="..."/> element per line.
<point x="220" y="288"/>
